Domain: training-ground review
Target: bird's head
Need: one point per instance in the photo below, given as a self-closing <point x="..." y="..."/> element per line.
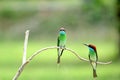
<point x="62" y="31"/>
<point x="91" y="46"/>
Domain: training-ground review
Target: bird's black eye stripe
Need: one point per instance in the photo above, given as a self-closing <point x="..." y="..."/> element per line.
<point x="62" y="30"/>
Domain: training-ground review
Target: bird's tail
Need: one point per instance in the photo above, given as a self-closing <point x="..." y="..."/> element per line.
<point x="94" y="73"/>
<point x="58" y="61"/>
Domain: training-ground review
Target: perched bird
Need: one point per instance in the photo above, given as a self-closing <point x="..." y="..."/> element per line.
<point x="93" y="57"/>
<point x="61" y="41"/>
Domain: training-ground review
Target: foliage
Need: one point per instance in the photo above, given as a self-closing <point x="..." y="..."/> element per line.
<point x="96" y="11"/>
<point x="45" y="67"/>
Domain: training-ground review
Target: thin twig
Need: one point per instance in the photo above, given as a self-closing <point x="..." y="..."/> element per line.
<point x="25" y="46"/>
<point x="24" y="62"/>
<point x="53" y="47"/>
<point x="104" y="62"/>
<point x="79" y="57"/>
<point x="76" y="54"/>
<point x="20" y="71"/>
<point x="39" y="51"/>
<point x="83" y="59"/>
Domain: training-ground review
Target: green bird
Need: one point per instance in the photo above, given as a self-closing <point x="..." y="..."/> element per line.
<point x="61" y="41"/>
<point x="93" y="57"/>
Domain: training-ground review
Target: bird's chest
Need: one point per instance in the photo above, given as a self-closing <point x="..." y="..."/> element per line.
<point x="62" y="39"/>
<point x="92" y="55"/>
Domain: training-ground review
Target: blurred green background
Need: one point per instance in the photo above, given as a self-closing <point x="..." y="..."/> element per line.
<point x="86" y="21"/>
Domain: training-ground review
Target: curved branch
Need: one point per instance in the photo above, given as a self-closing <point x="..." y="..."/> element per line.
<point x="79" y="57"/>
<point x="76" y="54"/>
<point x="39" y="51"/>
<point x="83" y="59"/>
<point x="20" y="70"/>
<point x="29" y="59"/>
<point x="53" y="47"/>
<point x="104" y="62"/>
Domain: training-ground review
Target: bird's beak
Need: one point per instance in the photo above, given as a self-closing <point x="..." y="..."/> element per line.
<point x="86" y="44"/>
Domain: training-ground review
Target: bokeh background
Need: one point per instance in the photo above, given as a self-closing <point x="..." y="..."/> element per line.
<point x="86" y="21"/>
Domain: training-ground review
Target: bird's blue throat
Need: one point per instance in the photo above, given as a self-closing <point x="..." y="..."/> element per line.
<point x="62" y="33"/>
<point x="92" y="52"/>
<point x="91" y="49"/>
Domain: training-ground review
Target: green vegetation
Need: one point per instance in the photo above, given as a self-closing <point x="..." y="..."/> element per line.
<point x="94" y="23"/>
<point x="44" y="66"/>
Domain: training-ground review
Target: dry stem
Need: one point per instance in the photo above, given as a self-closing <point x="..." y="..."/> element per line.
<point x="53" y="47"/>
<point x="25" y="46"/>
<point x="21" y="68"/>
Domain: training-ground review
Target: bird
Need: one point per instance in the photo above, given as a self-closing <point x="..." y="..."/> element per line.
<point x="61" y="42"/>
<point x="93" y="57"/>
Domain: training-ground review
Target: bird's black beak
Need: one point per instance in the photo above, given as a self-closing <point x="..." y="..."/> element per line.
<point x="86" y="44"/>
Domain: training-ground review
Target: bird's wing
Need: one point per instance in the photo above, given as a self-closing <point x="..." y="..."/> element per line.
<point x="58" y="45"/>
<point x="58" y="42"/>
<point x="89" y="57"/>
<point x="96" y="56"/>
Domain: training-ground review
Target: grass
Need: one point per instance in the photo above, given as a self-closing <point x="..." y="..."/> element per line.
<point x="44" y="65"/>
